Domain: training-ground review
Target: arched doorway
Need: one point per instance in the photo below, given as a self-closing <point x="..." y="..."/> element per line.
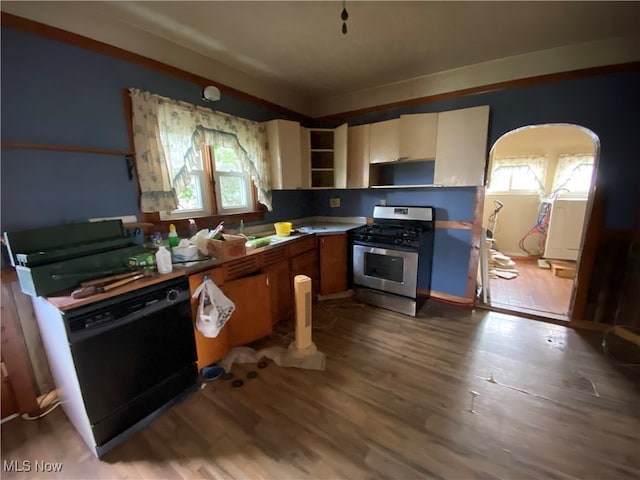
<point x="537" y="203"/>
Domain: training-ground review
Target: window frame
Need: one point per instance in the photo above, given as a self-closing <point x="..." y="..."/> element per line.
<point x="510" y="190"/>
<point x="249" y="192"/>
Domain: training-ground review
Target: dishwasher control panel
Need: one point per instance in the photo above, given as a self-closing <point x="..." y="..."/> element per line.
<point x="144" y="300"/>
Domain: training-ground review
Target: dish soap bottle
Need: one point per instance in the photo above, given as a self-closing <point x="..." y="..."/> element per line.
<point x="163" y="260"/>
<point x="173" y="236"/>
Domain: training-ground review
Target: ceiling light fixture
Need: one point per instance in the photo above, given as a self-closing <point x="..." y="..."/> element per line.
<point x="344" y="15"/>
<point x="211" y="93"/>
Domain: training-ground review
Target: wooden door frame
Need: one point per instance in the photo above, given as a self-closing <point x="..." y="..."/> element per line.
<point x="14" y="355"/>
<point x="591" y="230"/>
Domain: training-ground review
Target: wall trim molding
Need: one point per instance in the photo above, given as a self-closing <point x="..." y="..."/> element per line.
<point x="454" y="225"/>
<point x="492" y="87"/>
<point x="64" y="36"/>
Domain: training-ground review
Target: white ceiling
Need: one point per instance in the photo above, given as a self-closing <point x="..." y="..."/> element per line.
<point x="294" y="54"/>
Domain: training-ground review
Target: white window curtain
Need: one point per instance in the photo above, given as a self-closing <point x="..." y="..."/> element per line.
<point x="573" y="173"/>
<point x="157" y="192"/>
<point x="198" y="126"/>
<point x="518" y="173"/>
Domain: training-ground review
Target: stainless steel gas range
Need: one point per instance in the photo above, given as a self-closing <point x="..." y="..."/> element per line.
<point x="392" y="257"/>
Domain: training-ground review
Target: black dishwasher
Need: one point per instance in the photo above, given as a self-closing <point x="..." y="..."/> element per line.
<point x="132" y="354"/>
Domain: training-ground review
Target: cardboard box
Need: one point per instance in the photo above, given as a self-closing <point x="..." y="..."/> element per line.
<point x="146" y="259"/>
<point x="233" y="246"/>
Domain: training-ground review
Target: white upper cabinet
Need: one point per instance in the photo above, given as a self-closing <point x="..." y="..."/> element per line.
<point x="461" y="151"/>
<point x="418" y="135"/>
<point x="384" y="141"/>
<point x="325" y="156"/>
<point x="410" y="137"/>
<point x="285" y="155"/>
<point x="358" y="156"/>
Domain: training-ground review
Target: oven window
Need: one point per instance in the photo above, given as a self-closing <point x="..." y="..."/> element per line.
<point x="386" y="267"/>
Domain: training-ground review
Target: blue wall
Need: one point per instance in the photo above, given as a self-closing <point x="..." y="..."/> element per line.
<point x="53" y="93"/>
<point x="451" y="247"/>
<point x="608" y="105"/>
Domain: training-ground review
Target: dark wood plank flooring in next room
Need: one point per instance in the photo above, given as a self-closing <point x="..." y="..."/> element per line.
<point x="536" y="291"/>
<point x="394" y="401"/>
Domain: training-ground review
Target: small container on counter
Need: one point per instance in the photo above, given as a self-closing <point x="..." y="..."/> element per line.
<point x="163" y="260"/>
<point x="156" y="238"/>
<point x="174" y="240"/>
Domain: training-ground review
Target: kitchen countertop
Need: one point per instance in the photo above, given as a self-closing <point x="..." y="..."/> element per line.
<point x="65" y="302"/>
<point x="328" y="228"/>
<point x="306" y="226"/>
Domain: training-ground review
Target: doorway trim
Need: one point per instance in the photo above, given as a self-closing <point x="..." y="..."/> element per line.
<point x="590" y="231"/>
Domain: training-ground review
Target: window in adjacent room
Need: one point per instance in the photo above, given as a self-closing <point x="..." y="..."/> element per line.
<point x="517" y="174"/>
<point x="573" y="174"/>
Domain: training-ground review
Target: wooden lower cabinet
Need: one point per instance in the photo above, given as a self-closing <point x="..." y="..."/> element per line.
<point x="250" y="320"/>
<point x="209" y="350"/>
<point x="307" y="264"/>
<point x="281" y="289"/>
<point x="333" y="263"/>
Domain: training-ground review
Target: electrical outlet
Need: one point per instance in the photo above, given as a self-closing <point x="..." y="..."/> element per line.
<point x="334" y="202"/>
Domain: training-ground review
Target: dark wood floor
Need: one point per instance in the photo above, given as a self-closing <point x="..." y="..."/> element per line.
<point x="536" y="290"/>
<point x="394" y="402"/>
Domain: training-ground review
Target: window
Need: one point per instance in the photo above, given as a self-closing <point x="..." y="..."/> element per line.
<point x="192" y="161"/>
<point x="573" y="174"/>
<point x="233" y="185"/>
<point x="517" y="174"/>
<point x="195" y="186"/>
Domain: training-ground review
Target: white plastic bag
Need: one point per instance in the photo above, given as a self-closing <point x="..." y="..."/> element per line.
<point x="214" y="309"/>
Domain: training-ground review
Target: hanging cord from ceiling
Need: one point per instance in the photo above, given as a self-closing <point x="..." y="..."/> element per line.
<point x="344" y="16"/>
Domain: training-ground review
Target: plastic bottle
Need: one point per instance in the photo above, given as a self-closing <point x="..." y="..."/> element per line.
<point x="157" y="239"/>
<point x="193" y="228"/>
<point x="163" y="260"/>
<point x="173" y="236"/>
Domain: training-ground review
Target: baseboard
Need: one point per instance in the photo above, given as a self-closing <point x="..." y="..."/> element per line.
<point x="587" y="325"/>
<point x="447" y="297"/>
<point x="334" y="296"/>
<point x="626" y="335"/>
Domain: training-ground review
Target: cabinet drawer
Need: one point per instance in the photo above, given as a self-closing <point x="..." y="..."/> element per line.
<point x="242" y="267"/>
<point x="275" y="255"/>
<point x="299" y="246"/>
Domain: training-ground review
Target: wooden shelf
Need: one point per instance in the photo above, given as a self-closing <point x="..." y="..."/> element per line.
<point x="322" y="158"/>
